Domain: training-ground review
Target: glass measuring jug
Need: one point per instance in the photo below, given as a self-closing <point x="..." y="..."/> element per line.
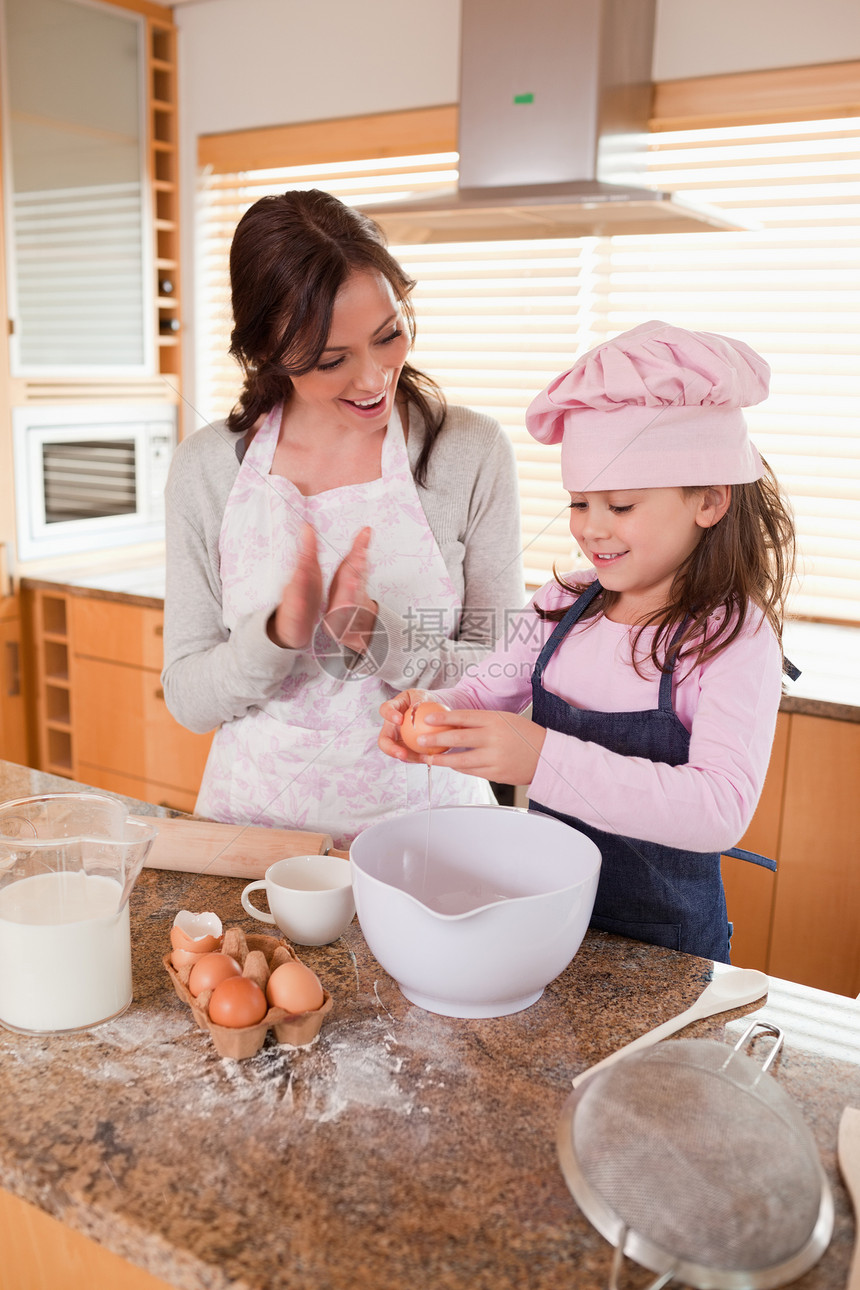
<point x="68" y="862"/>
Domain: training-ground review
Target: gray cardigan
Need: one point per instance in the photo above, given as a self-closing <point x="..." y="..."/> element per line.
<point x="471" y="502"/>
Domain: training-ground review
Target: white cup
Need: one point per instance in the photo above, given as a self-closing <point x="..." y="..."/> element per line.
<point x="310" y="898"/>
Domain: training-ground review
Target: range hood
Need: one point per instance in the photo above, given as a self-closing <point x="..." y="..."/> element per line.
<point x="555" y="97"/>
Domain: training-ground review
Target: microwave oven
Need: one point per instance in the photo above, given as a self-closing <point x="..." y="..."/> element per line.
<point x="90" y="477"/>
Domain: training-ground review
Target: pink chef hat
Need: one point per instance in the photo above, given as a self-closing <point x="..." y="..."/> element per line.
<point x="655" y="407"/>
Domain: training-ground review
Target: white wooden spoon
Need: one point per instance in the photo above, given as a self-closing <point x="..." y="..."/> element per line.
<point x="730" y="988"/>
<point x="848" y="1151"/>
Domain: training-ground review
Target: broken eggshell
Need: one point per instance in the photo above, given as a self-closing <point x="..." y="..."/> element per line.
<point x="196" y="933"/>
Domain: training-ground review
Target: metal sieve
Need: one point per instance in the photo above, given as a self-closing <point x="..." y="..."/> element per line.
<point x="693" y="1162"/>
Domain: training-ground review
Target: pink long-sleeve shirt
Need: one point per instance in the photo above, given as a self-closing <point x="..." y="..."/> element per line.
<point x="729" y="705"/>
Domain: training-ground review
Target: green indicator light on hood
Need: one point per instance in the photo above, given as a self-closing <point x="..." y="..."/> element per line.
<point x="524" y="98"/>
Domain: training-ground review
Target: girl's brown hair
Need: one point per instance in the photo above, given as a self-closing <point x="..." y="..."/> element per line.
<point x="748" y="557"/>
<point x="290" y="256"/>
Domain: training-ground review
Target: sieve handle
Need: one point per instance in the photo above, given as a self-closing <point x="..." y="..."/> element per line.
<point x="618" y="1264"/>
<point x="848" y="1151"/>
<point x="770" y="1029"/>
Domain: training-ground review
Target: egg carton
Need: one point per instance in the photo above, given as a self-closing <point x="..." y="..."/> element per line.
<point x="258" y="956"/>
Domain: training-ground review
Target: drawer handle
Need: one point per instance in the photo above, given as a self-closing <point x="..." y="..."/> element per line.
<point x="13" y="670"/>
<point x="159" y="629"/>
<point x="159" y="694"/>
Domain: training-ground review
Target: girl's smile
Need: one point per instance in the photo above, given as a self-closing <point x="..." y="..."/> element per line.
<point x="637" y="539"/>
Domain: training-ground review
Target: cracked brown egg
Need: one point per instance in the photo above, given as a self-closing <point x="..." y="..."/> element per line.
<point x="415" y="724"/>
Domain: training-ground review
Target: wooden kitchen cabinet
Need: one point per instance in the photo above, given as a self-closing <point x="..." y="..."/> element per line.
<point x="127" y="729"/>
<point x="100" y="710"/>
<point x="127" y="634"/>
<point x="803" y="922"/>
<point x="816" y="917"/>
<point x="750" y="889"/>
<point x="13" y="717"/>
<point x="41" y="1253"/>
<point x="47" y="620"/>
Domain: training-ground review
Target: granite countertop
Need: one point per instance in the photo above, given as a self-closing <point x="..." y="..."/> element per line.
<point x="399" y="1149"/>
<point x="132" y="583"/>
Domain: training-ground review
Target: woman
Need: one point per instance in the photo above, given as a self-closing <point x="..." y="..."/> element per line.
<point x="342" y="536"/>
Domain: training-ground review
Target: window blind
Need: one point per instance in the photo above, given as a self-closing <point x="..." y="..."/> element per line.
<point x="78" y="255"/>
<point x="497" y="321"/>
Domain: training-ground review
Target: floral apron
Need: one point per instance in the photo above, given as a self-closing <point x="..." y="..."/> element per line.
<point x="307" y="758"/>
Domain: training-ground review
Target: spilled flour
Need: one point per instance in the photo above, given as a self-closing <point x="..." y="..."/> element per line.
<point x="359" y="1067"/>
<point x="374" y="1062"/>
<point x="351" y="1063"/>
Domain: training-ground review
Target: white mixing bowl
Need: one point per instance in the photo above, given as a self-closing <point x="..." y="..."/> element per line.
<point x="474" y="909"/>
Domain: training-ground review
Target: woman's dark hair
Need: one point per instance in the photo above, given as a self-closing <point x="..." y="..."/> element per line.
<point x="289" y="258"/>
<point x="747" y="557"/>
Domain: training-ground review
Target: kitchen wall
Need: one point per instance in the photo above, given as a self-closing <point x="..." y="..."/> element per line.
<point x="704" y="38"/>
<point x="251" y="63"/>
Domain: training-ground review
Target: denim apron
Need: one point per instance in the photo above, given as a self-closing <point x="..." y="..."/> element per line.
<point x="655" y="893"/>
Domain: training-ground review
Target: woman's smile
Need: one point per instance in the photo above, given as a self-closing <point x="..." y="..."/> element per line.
<point x="355" y="379"/>
<point x="368" y="407"/>
<point x="367" y="403"/>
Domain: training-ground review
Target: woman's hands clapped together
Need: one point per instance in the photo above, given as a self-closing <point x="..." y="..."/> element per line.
<point x="349" y="614"/>
<point x="499" y="746"/>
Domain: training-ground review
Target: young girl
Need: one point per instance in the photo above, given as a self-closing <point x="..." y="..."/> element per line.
<point x="655" y="681"/>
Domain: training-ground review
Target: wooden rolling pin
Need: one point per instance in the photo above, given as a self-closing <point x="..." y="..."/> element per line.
<point x="227" y="850"/>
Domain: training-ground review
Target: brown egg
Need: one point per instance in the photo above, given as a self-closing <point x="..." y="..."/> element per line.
<point x="415" y="724"/>
<point x="236" y="1002"/>
<point x="210" y="970"/>
<point x="182" y="958"/>
<point x="295" y="988"/>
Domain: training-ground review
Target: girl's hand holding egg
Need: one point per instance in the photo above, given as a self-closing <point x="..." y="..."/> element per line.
<point x="499" y="746"/>
<point x="405" y="719"/>
<point x="417" y="723"/>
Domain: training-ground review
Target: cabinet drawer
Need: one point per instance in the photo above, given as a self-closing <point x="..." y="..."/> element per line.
<point x="814" y="938"/>
<point x="108" y="629"/>
<point x="122" y="724"/>
<point x="175" y="756"/>
<point x="144" y="790"/>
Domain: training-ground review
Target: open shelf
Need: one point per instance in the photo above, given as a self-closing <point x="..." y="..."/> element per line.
<point x="58" y="706"/>
<point x="56" y="656"/>
<point x="164" y="176"/>
<point x="54" y="616"/>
